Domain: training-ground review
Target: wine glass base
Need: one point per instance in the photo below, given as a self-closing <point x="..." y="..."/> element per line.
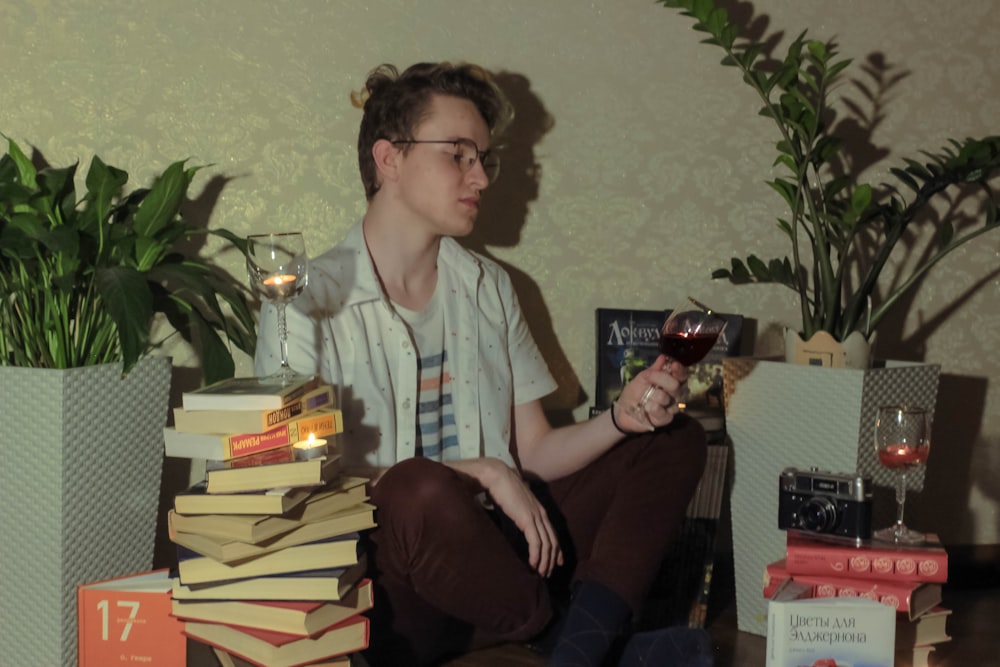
<point x="287" y="376"/>
<point x="899" y="534"/>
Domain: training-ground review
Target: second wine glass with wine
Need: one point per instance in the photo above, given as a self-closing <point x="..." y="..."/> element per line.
<point x="278" y="269"/>
<point x="902" y="442"/>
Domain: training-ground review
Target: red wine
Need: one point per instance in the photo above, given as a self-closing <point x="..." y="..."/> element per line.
<point x="687" y="348"/>
<point x="902" y="456"/>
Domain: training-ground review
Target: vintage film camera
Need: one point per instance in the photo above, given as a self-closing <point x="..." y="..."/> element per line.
<point x="825" y="504"/>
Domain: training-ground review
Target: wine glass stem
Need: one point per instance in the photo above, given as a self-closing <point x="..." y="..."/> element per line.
<point x="282" y="334"/>
<point x="900" y="499"/>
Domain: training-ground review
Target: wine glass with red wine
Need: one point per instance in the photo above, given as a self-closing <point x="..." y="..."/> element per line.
<point x="902" y="442"/>
<point x="278" y="270"/>
<point x="687" y="335"/>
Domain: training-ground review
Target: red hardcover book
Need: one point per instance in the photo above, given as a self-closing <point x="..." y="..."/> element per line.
<point x="278" y="649"/>
<point x="809" y="555"/>
<point x="911" y="598"/>
<point x="295" y="617"/>
<point x="127" y="621"/>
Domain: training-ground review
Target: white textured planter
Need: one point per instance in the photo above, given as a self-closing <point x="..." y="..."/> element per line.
<point x="81" y="454"/>
<point x="779" y="415"/>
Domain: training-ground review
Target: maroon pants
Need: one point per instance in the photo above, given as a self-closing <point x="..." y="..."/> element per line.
<point x="451" y="576"/>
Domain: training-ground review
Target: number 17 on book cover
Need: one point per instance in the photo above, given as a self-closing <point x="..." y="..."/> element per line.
<point x="127" y="621"/>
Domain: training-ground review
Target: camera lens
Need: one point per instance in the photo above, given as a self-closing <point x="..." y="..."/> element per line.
<point x="818" y="515"/>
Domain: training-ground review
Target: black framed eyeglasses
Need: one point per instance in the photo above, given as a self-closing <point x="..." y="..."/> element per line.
<point x="466" y="155"/>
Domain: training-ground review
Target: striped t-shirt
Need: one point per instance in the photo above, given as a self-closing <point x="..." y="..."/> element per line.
<point x="437" y="437"/>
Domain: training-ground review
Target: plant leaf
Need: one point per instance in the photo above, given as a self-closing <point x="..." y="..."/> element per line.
<point x="129" y="301"/>
<point x="163" y="201"/>
<point x="104" y="184"/>
<point x="25" y="169"/>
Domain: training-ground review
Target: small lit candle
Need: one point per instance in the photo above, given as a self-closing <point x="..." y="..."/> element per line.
<point x="310" y="448"/>
<point x="280" y="286"/>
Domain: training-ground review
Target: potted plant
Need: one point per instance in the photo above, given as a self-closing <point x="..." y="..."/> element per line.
<point x="83" y="281"/>
<point x="843" y="232"/>
<point x="842" y="235"/>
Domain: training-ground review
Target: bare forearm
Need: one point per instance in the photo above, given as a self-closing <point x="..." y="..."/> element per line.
<point x="483" y="472"/>
<point x="563" y="451"/>
<point x="553" y="453"/>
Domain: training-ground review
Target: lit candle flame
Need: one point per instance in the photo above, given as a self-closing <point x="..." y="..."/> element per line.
<point x="311" y="447"/>
<point x="279" y="280"/>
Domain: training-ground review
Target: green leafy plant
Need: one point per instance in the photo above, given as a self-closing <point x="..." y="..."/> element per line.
<point x="842" y="232"/>
<point x="82" y="281"/>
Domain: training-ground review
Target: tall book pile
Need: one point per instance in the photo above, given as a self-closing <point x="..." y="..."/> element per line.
<point x="270" y="558"/>
<point x="906" y="578"/>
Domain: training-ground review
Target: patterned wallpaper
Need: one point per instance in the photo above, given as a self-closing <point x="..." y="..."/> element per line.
<point x="635" y="165"/>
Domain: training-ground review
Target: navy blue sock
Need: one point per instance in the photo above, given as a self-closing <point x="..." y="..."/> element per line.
<point x="677" y="646"/>
<point x="595" y="618"/>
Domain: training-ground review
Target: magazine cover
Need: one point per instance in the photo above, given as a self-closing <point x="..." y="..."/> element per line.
<point x="627" y="342"/>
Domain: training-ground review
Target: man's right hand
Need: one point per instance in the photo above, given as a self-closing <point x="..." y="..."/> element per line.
<point x="512" y="494"/>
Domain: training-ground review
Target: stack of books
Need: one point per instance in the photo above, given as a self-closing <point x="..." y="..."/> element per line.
<point x="907" y="578"/>
<point x="270" y="557"/>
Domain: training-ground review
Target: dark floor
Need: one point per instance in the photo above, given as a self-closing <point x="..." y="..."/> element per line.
<point x="973" y="595"/>
<point x="973" y="626"/>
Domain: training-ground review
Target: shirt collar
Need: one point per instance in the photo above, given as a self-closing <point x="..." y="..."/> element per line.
<point x="366" y="285"/>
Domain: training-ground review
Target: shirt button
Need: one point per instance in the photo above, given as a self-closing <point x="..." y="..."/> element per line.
<point x="406" y="345"/>
<point x="406" y="404"/>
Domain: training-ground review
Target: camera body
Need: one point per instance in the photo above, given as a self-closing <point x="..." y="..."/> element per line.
<point x="823" y="503"/>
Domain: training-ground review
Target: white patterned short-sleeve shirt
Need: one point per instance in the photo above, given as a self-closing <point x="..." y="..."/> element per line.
<point x="344" y="329"/>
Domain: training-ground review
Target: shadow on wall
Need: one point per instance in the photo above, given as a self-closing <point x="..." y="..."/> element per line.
<point x="177" y="471"/>
<point x="942" y="506"/>
<point x="503" y="216"/>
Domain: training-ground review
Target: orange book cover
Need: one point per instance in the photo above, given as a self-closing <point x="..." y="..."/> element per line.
<point x="127" y="621"/>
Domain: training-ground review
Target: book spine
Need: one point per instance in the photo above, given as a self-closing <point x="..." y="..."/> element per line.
<point x="864" y="563"/>
<point x="268" y="457"/>
<point x="328" y="422"/>
<point x="245" y="444"/>
<point x="314" y="400"/>
<point x="300" y="392"/>
<point x="895" y="594"/>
